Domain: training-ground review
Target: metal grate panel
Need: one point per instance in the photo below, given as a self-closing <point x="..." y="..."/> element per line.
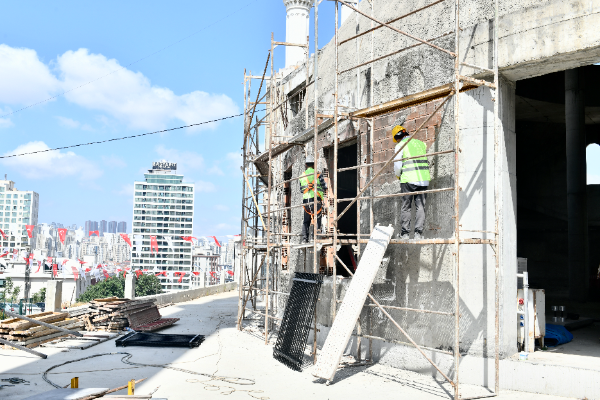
<point x="295" y="326"/>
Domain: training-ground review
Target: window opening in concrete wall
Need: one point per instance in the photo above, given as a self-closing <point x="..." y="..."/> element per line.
<point x="296" y="98"/>
<point x="593" y="164"/>
<point x="346" y="186"/>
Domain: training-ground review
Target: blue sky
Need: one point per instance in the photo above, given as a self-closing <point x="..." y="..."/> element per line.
<point x="51" y="47"/>
<point x="47" y="48"/>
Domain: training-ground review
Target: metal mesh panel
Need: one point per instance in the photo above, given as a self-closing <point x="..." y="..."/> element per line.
<point x="159" y="340"/>
<point x="296" y="323"/>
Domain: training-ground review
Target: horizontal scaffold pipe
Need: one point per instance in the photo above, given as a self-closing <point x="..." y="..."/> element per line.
<point x="391" y="21"/>
<point x="400" y="159"/>
<point x="383" y="196"/>
<point x="393" y="53"/>
<point x="398" y="30"/>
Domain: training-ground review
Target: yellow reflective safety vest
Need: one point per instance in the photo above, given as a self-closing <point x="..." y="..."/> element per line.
<point x="417" y="169"/>
<point x="307" y="187"/>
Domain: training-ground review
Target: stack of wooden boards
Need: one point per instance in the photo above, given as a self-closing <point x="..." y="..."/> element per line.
<point x="114" y="314"/>
<point x="28" y="334"/>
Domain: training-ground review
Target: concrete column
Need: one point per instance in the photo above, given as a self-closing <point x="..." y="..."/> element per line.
<point x="576" y="185"/>
<point x="53" y="295"/>
<point x="130" y="280"/>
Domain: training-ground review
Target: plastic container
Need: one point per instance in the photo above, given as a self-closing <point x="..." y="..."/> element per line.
<point x="523" y="356"/>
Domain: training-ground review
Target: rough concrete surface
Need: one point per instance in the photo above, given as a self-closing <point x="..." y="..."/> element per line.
<point x="225" y="353"/>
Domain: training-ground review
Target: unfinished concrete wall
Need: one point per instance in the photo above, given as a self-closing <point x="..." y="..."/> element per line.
<point x="533" y="35"/>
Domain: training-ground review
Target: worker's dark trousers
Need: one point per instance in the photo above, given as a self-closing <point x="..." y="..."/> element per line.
<point x="306" y="228"/>
<point x="420" y="200"/>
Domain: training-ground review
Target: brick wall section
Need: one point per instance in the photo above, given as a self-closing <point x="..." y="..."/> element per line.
<point x="384" y="146"/>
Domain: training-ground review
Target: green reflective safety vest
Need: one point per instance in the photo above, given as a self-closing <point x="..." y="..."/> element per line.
<point x="417" y="169"/>
<point x="306" y="185"/>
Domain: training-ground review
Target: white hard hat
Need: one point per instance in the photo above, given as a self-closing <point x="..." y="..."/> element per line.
<point x="310" y="159"/>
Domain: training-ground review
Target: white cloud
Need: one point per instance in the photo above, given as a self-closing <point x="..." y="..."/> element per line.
<point x="205" y="187"/>
<point x="114" y="162"/>
<point x="221" y="207"/>
<point x="130" y="97"/>
<point x="25" y="79"/>
<point x="96" y="82"/>
<point x="593" y="179"/>
<point x="51" y="163"/>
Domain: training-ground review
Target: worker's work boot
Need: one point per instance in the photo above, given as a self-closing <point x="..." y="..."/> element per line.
<point x="418" y="236"/>
<point x="404" y="236"/>
<point x="304" y="241"/>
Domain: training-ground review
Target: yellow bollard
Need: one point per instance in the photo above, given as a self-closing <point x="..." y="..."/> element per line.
<point x="75" y="383"/>
<point x="131" y="387"/>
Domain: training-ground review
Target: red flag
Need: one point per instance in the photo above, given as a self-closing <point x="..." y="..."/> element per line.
<point x="4" y="255"/>
<point x="54" y="269"/>
<point x="96" y="232"/>
<point x="64" y="261"/>
<point x="75" y="273"/>
<point x="126" y="239"/>
<point x="153" y="244"/>
<point x="216" y="241"/>
<point x="127" y="269"/>
<point x="29" y="230"/>
<point x="187" y="238"/>
<point x="62" y="233"/>
<point x="138" y="273"/>
<point x="49" y="260"/>
<point x="39" y="266"/>
<point x="212" y="273"/>
<point x="230" y="272"/>
<point x="29" y="259"/>
<point x="196" y="273"/>
<point x="3" y="234"/>
<point x="180" y="274"/>
<point x="106" y="275"/>
<point x="163" y="273"/>
<point x="88" y="269"/>
<point x="99" y="266"/>
<point x="81" y="262"/>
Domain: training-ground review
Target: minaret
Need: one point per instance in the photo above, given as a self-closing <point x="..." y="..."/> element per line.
<point x="296" y="29"/>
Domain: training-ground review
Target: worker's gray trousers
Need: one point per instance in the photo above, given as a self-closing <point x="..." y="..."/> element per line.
<point x="420" y="200"/>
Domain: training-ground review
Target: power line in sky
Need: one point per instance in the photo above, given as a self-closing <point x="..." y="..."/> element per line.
<point x="130" y="64"/>
<point x="122" y="138"/>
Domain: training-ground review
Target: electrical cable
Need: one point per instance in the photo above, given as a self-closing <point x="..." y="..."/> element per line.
<point x="122" y="138"/>
<point x="130" y="64"/>
<point x="207" y="385"/>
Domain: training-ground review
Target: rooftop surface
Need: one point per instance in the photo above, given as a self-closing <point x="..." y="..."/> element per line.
<point x="228" y="365"/>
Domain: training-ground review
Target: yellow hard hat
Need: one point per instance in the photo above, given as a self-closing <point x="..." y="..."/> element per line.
<point x="397" y="129"/>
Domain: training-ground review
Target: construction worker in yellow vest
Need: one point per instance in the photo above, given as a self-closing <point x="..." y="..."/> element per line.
<point x="414" y="177"/>
<point x="308" y="194"/>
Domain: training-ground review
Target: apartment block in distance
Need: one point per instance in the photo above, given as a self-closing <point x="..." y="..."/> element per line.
<point x="17" y="209"/>
<point x="163" y="206"/>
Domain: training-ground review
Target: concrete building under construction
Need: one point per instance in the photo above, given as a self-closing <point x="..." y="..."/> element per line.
<point x="504" y="93"/>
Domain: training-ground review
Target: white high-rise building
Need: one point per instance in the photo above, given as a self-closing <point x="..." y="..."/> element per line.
<point x="18" y="208"/>
<point x="163" y="207"/>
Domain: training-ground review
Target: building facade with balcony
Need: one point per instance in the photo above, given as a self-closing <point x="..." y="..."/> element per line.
<point x="18" y="208"/>
<point x="163" y="207"/>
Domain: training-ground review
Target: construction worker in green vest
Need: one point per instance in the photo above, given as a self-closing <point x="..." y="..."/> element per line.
<point x="308" y="195"/>
<point x="414" y="177"/>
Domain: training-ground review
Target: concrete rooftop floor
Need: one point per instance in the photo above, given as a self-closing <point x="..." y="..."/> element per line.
<point x="226" y="352"/>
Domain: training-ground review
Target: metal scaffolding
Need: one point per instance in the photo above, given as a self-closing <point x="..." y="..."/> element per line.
<point x="267" y="236"/>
